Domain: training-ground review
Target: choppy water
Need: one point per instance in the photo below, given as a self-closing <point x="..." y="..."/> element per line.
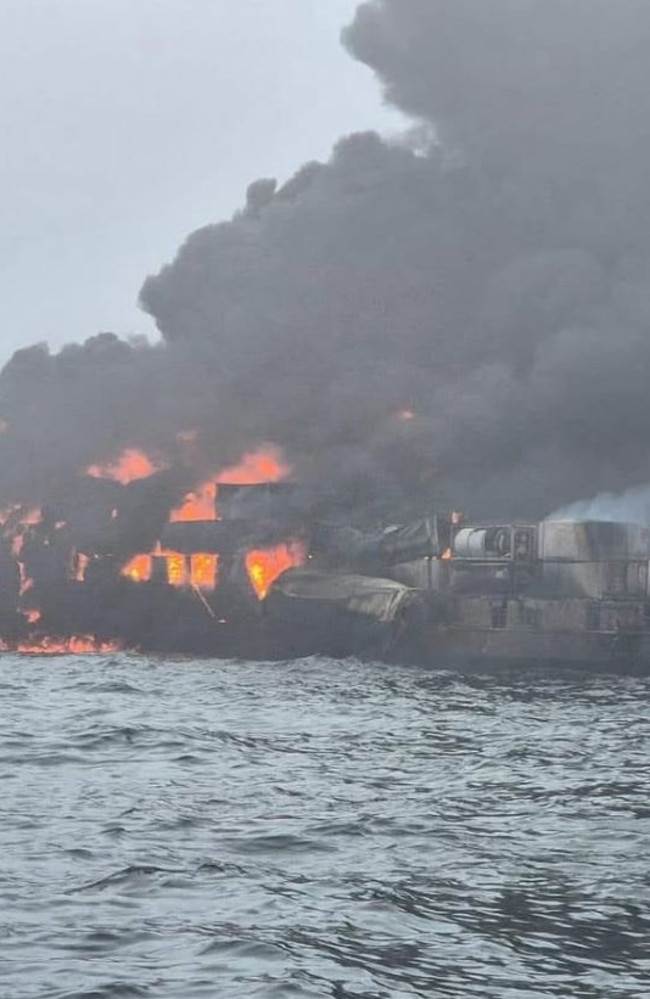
<point x="320" y="829"/>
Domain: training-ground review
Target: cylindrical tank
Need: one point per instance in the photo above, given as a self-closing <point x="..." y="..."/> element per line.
<point x="470" y="542"/>
<point x="483" y="542"/>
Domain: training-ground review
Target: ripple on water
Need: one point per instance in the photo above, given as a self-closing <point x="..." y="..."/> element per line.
<point x="173" y="830"/>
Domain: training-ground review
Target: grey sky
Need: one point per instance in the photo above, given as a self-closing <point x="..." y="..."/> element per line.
<point x="127" y="123"/>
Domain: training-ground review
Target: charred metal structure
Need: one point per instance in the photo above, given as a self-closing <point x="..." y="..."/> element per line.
<point x="565" y="592"/>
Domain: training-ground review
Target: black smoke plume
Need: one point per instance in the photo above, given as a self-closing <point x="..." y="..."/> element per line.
<point x="457" y="318"/>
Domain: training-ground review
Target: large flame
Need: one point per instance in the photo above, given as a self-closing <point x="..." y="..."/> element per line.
<point x="203" y="571"/>
<point x="198" y="571"/>
<point x="197" y="505"/>
<point x="264" y="566"/>
<point x="127" y="467"/>
<point x="195" y="571"/>
<point x="139" y="569"/>
<point x="255" y="468"/>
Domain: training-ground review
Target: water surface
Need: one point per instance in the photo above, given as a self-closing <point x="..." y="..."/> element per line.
<point x="172" y="830"/>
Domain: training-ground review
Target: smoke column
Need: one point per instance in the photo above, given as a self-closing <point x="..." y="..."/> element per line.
<point x="488" y="274"/>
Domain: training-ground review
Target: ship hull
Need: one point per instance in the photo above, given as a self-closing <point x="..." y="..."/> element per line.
<point x="476" y="649"/>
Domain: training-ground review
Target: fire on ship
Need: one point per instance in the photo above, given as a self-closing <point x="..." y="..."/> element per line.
<point x="128" y="559"/>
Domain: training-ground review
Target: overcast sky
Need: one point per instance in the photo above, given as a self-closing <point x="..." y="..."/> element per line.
<point x="125" y="124"/>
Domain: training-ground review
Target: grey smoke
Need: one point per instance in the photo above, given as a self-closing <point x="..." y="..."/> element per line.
<point x="495" y="281"/>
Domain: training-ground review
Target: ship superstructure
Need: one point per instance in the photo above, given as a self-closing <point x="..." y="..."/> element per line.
<point x="254" y="571"/>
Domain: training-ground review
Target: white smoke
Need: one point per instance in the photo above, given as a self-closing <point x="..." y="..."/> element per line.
<point x="631" y="506"/>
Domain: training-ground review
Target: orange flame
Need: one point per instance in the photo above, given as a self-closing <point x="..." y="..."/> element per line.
<point x="256" y="468"/>
<point x="200" y="570"/>
<point x="77" y="645"/>
<point x="197" y="570"/>
<point x="139" y="569"/>
<point x="265" y="566"/>
<point x="198" y="505"/>
<point x="129" y="466"/>
<point x="177" y="573"/>
<point x="203" y="571"/>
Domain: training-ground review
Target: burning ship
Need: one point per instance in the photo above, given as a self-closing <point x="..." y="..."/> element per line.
<point x="242" y="567"/>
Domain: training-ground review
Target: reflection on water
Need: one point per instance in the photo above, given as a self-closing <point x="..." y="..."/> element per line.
<point x="320" y="829"/>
